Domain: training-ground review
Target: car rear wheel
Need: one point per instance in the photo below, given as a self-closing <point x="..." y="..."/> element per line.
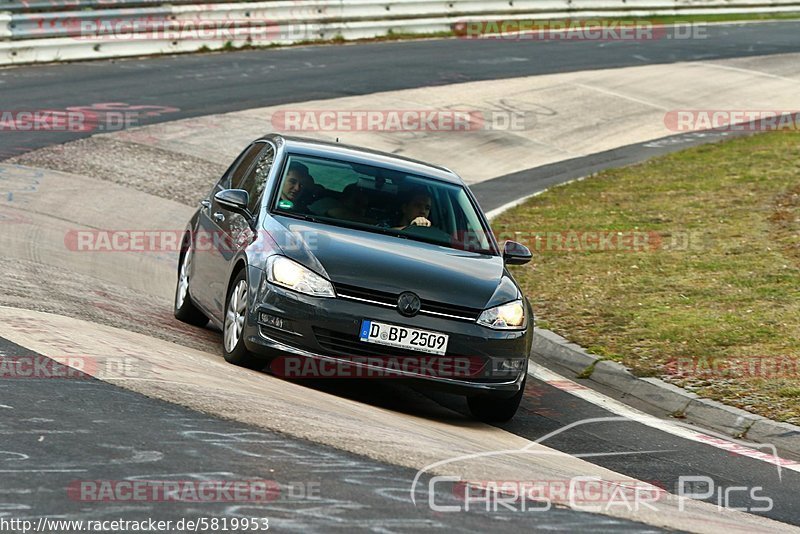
<point x="493" y="410"/>
<point x="184" y="308"/>
<point x="233" y="346"/>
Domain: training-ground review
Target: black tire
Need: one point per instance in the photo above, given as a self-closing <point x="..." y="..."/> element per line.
<point x="183" y="307"/>
<point x="233" y="348"/>
<point x="494" y="410"/>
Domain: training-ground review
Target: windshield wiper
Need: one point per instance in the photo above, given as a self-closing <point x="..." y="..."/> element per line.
<point x="297" y="215"/>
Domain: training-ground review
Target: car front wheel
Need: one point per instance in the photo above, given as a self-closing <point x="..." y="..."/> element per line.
<point x="233" y="346"/>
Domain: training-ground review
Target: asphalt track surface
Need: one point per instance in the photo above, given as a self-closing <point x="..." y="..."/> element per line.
<point x="217" y="83"/>
<point x="87" y="419"/>
<point x="95" y="431"/>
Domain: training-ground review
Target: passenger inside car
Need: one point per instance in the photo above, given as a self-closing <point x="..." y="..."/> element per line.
<point x="297" y="178"/>
<point x="310" y="191"/>
<point x="352" y="206"/>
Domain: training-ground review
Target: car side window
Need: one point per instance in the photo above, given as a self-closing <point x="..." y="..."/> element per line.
<point x="234" y="174"/>
<point x="255" y="180"/>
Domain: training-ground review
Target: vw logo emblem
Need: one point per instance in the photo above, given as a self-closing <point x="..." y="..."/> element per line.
<point x="408" y="304"/>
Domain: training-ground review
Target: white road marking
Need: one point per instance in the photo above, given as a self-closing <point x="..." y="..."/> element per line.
<point x="494" y="61"/>
<point x="12" y="432"/>
<point x="748" y="71"/>
<point x="42" y="470"/>
<point x="514" y="203"/>
<point x="620" y="95"/>
<point x="19" y="456"/>
<point x="616" y="407"/>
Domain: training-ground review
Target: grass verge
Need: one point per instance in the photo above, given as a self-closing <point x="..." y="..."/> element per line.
<point x="686" y="267"/>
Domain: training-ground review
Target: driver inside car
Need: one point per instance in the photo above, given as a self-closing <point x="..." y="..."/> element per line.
<point x="415" y="208"/>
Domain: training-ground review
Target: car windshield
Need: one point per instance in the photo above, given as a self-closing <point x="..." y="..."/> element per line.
<point x="380" y="200"/>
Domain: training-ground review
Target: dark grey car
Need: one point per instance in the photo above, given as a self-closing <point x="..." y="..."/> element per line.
<point x="331" y="260"/>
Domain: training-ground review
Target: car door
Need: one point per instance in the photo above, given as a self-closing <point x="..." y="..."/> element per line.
<point x="234" y="232"/>
<point x="212" y="245"/>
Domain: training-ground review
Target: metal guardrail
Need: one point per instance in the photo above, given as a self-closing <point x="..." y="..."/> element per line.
<point x="36" y="6"/>
<point x="388" y="6"/>
<point x="41" y="6"/>
<point x="68" y="23"/>
<point x="115" y="32"/>
<point x="322" y="12"/>
<point x="79" y="23"/>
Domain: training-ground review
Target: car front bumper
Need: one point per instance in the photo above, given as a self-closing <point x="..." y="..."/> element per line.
<point x="286" y="324"/>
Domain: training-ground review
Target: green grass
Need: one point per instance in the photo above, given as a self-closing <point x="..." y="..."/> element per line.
<point x="655" y="20"/>
<point x="724" y="17"/>
<point x="730" y="295"/>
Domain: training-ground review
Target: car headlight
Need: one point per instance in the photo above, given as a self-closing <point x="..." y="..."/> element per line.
<point x="289" y="274"/>
<point x="509" y="316"/>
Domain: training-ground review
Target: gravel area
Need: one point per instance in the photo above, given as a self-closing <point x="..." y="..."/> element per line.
<point x="37" y="286"/>
<point x="179" y="177"/>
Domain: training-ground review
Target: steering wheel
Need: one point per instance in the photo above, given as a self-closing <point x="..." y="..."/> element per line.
<point x="428" y="232"/>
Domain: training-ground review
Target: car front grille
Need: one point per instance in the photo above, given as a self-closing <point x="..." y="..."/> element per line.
<point x="349" y="346"/>
<point x="389" y="300"/>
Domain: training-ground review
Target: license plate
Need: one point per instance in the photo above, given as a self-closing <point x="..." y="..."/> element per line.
<point x="404" y="338"/>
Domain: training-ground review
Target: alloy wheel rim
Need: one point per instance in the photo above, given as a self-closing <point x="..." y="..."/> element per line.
<point x="183" y="280"/>
<point x="235" y="315"/>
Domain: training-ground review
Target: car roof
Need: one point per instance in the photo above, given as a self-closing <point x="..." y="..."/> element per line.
<point x="318" y="147"/>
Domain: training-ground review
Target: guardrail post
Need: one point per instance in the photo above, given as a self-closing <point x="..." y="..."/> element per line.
<point x="5" y="26"/>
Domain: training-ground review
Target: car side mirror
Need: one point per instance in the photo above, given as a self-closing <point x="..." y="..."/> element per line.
<point x="516" y="253"/>
<point x="235" y="201"/>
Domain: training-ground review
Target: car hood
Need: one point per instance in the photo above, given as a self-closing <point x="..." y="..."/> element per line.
<point x="389" y="264"/>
